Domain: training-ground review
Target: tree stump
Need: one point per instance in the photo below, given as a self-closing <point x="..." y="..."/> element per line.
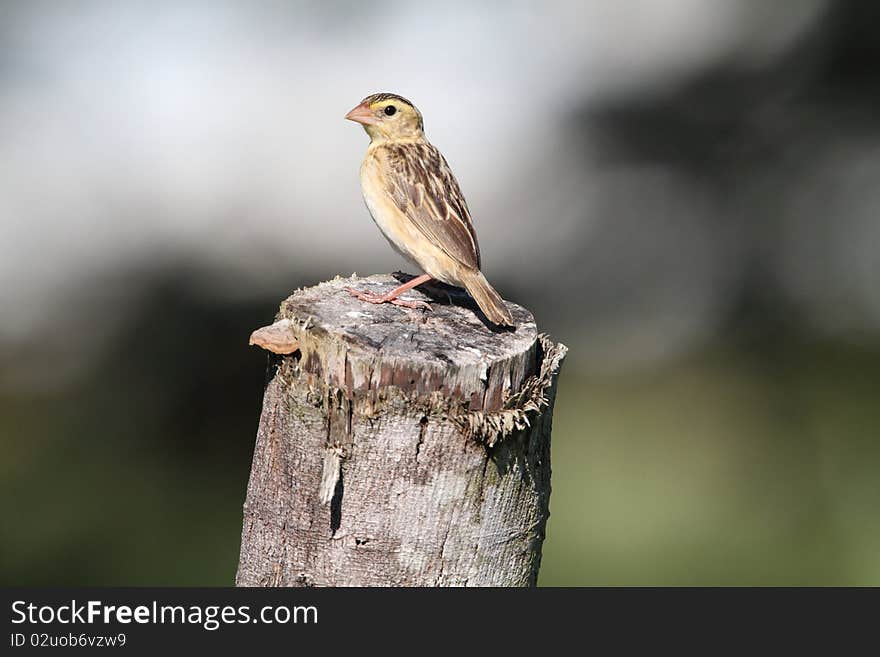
<point x="399" y="447"/>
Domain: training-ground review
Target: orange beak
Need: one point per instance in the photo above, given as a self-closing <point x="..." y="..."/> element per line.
<point x="362" y="114"/>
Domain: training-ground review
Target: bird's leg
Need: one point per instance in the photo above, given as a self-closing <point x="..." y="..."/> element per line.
<point x="391" y="297"/>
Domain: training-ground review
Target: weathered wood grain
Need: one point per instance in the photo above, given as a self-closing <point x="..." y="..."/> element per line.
<point x="400" y="447"/>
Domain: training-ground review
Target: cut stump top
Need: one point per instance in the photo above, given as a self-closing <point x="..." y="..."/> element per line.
<point x="451" y="349"/>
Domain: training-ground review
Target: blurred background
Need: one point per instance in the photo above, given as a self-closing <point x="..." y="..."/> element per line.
<point x="685" y="192"/>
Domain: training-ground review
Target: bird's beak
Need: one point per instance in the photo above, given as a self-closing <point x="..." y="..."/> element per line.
<point x="362" y="114"/>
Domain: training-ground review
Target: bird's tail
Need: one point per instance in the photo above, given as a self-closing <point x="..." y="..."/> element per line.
<point x="489" y="301"/>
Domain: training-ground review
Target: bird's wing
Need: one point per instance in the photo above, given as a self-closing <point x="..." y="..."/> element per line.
<point x="423" y="187"/>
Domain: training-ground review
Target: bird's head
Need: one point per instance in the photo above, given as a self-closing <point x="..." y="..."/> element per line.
<point x="388" y="116"/>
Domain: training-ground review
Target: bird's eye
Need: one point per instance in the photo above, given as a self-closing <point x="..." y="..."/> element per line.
<point x="391" y="110"/>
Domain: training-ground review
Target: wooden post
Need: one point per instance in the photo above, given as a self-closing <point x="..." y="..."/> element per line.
<point x="399" y="447"/>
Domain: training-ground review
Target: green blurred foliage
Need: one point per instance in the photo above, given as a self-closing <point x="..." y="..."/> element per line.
<point x="733" y="467"/>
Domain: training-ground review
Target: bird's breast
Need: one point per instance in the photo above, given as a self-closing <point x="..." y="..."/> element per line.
<point x="403" y="235"/>
<point x="395" y="226"/>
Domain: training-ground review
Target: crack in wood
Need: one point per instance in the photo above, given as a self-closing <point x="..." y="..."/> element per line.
<point x="423" y="428"/>
<point x="336" y="506"/>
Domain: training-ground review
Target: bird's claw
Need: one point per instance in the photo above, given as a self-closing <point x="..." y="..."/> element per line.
<point x="372" y="297"/>
<point x="411" y="304"/>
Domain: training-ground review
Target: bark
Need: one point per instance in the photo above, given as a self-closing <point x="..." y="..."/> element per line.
<point x="399" y="447"/>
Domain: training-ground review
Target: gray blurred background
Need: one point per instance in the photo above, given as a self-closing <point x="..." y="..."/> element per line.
<point x="685" y="192"/>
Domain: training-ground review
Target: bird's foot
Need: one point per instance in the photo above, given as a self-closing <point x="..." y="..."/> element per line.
<point x="372" y="297"/>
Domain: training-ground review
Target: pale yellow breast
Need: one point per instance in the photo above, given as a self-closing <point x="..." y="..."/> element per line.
<point x="400" y="232"/>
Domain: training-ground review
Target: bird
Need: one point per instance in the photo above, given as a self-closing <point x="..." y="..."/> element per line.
<point x="416" y="202"/>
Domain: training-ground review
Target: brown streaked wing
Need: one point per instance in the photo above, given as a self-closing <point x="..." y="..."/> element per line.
<point x="423" y="187"/>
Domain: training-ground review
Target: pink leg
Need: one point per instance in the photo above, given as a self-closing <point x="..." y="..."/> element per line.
<point x="391" y="297"/>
